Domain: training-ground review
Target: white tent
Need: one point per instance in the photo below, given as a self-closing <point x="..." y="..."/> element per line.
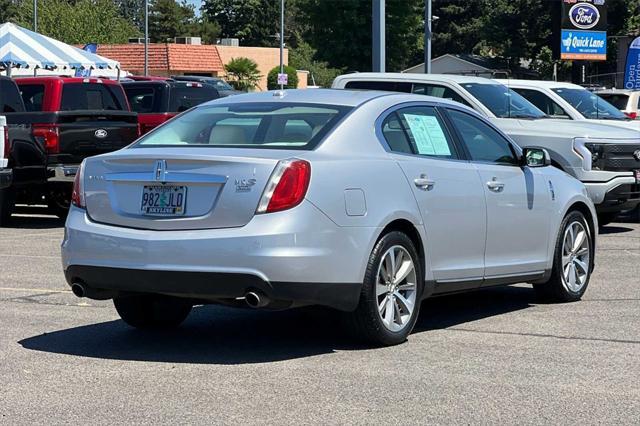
<point x="25" y="50"/>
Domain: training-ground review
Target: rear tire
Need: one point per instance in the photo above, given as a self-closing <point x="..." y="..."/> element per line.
<point x="59" y="200"/>
<point x="7" y="203"/>
<point x="152" y="312"/>
<point x="389" y="303"/>
<point x="571" y="263"/>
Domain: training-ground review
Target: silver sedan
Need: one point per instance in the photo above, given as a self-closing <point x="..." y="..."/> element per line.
<point x="366" y="202"/>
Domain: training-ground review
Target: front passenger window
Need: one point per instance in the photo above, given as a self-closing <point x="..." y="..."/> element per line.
<point x="483" y="142"/>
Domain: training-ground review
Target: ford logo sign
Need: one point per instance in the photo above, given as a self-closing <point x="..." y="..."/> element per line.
<point x="636" y="154"/>
<point x="584" y="16"/>
<point x="101" y="133"/>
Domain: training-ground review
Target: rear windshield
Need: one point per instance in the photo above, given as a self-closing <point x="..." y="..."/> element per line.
<point x="183" y="97"/>
<point x="92" y="96"/>
<point x="618" y="100"/>
<point x="144" y="99"/>
<point x="590" y="105"/>
<point x="32" y="95"/>
<point x="249" y="125"/>
<point x="502" y="101"/>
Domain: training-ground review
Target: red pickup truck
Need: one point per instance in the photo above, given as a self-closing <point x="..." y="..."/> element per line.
<point x="156" y="101"/>
<point x="69" y="119"/>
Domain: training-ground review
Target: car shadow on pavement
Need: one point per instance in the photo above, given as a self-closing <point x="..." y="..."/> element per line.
<point x="613" y="229"/>
<point x="34" y="217"/>
<point x="220" y="335"/>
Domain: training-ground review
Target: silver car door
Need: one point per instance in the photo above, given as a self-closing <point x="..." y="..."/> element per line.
<point x="448" y="191"/>
<point x="518" y="201"/>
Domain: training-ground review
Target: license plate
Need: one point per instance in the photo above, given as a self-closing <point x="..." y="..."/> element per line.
<point x="164" y="200"/>
<point x="636" y="173"/>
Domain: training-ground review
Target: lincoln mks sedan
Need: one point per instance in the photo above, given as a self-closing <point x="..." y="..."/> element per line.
<point x="366" y="202"/>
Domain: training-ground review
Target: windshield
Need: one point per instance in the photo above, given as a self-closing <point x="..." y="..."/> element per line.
<point x="249" y="125"/>
<point x="502" y="101"/>
<point x="590" y="105"/>
<point x="618" y="100"/>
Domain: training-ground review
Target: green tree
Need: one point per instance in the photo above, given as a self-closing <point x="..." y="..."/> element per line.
<point x="292" y="80"/>
<point x="8" y="11"/>
<point x="79" y="21"/>
<point x="457" y="27"/>
<point x="243" y="74"/>
<point x="169" y="19"/>
<point x="302" y="57"/>
<point x="254" y="22"/>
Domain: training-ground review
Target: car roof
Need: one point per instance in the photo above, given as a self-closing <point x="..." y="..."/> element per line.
<point x="540" y="84"/>
<point x="397" y="76"/>
<point x="616" y="91"/>
<point x="338" y="97"/>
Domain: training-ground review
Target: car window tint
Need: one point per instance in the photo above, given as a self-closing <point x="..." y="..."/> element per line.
<point x="438" y="92"/>
<point x="543" y="102"/>
<point x="184" y="97"/>
<point x="142" y="99"/>
<point x="483" y="142"/>
<point x="10" y="97"/>
<point x="394" y="134"/>
<point x="389" y="86"/>
<point x="92" y="96"/>
<point x="426" y="132"/>
<point x="620" y="101"/>
<point x="32" y="95"/>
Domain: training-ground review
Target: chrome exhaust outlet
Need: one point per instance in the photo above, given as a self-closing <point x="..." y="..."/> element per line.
<point x="256" y="300"/>
<point x="78" y="289"/>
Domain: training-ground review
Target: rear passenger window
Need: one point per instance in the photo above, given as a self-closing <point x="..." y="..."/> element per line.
<point x="10" y="98"/>
<point x="142" y="99"/>
<point x="418" y="130"/>
<point x="543" y="102"/>
<point x="484" y="143"/>
<point x="387" y="86"/>
<point x="438" y="92"/>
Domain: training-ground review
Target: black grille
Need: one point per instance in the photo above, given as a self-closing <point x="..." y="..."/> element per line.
<point x="614" y="157"/>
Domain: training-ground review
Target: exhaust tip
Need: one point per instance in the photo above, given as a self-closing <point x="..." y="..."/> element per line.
<point x="78" y="289"/>
<point x="256" y="300"/>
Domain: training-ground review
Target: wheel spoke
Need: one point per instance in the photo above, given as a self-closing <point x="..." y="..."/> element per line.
<point x="403" y="303"/>
<point x="389" y="312"/>
<point x="572" y="237"/>
<point x="573" y="276"/>
<point x="565" y="260"/>
<point x="582" y="251"/>
<point x="382" y="305"/>
<point x="380" y="289"/>
<point x="403" y="271"/>
<point x="581" y="265"/>
<point x="580" y="238"/>
<point x="397" y="312"/>
<point x="389" y="265"/>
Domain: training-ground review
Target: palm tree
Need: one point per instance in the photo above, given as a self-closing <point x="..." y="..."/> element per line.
<point x="243" y="73"/>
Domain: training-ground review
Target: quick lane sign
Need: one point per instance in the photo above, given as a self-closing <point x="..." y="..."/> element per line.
<point x="584" y="45"/>
<point x="583" y="30"/>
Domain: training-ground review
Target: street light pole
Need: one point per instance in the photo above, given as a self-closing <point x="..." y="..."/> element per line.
<point x="281" y="41"/>
<point x="378" y="36"/>
<point x="35" y="16"/>
<point x="428" y="19"/>
<point x="146" y="37"/>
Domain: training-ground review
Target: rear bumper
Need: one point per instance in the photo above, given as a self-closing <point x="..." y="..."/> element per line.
<point x="299" y="255"/>
<point x="6" y="178"/>
<point x="618" y="194"/>
<point x="60" y="173"/>
<point x="213" y="285"/>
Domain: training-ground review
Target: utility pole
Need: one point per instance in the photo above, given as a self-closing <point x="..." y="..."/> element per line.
<point x="146" y="37"/>
<point x="281" y="41"/>
<point x="378" y="29"/>
<point x="428" y="20"/>
<point x="35" y="16"/>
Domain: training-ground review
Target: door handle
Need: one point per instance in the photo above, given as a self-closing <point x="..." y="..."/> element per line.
<point x="424" y="183"/>
<point x="495" y="185"/>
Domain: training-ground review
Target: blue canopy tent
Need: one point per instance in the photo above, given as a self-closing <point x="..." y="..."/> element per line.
<point x="21" y="48"/>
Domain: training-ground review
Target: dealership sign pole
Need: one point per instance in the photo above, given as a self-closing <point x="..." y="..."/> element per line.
<point x="632" y="67"/>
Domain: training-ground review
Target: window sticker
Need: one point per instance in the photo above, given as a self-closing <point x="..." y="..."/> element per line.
<point x="428" y="135"/>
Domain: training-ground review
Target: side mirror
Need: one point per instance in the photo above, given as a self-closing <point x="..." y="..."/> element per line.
<point x="535" y="157"/>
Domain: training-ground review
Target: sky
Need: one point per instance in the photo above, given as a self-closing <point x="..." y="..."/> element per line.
<point x="197" y="4"/>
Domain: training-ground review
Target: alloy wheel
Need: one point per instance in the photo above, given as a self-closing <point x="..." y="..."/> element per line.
<point x="396" y="288"/>
<point x="575" y="257"/>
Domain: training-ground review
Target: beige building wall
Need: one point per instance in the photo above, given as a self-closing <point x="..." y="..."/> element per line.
<point x="265" y="57"/>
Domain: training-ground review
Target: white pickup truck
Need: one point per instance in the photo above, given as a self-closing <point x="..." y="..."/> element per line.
<point x="602" y="156"/>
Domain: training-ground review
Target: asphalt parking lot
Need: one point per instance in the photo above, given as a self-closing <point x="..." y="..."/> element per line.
<point x="493" y="356"/>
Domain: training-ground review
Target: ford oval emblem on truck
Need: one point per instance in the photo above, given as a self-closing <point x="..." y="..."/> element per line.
<point x="584" y="16"/>
<point x="101" y="133"/>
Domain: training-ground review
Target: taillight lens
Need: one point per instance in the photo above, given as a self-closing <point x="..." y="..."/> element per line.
<point x="632" y="115"/>
<point x="77" y="196"/>
<point x="48" y="136"/>
<point x="287" y="186"/>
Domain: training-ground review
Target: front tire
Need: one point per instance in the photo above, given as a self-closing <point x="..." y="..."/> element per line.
<point x="7" y="204"/>
<point x="572" y="262"/>
<point x="152" y="312"/>
<point x="391" y="292"/>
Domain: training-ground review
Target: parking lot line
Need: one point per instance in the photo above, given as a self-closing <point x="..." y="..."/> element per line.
<point x="37" y="290"/>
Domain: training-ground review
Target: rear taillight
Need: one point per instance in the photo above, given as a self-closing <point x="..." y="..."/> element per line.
<point x="77" y="195"/>
<point x="287" y="186"/>
<point x="632" y="115"/>
<point x="48" y="136"/>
